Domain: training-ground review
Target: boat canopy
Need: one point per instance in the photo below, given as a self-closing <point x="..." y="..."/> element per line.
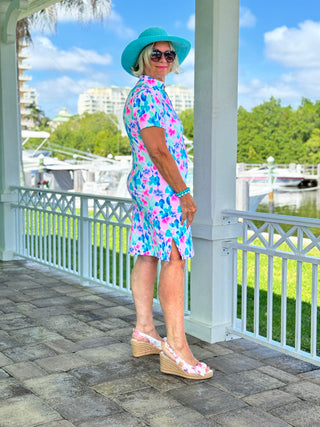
<point x="26" y="134"/>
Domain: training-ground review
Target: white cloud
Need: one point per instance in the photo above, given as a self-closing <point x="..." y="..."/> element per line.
<point x="46" y="56"/>
<point x="294" y="47"/>
<point x="308" y="80"/>
<point x="247" y="18"/>
<point x="191" y="24"/>
<point x="189" y="61"/>
<point x="186" y="78"/>
<point x="114" y="22"/>
<point x="290" y="88"/>
<point x="65" y="90"/>
<point x="257" y="91"/>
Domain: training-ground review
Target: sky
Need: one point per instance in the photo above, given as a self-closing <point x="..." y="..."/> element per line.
<point x="279" y="50"/>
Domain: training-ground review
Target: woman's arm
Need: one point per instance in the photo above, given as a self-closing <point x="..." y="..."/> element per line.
<point x="155" y="143"/>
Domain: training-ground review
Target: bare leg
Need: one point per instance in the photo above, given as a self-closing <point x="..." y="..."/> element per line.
<point x="143" y="276"/>
<point x="171" y="294"/>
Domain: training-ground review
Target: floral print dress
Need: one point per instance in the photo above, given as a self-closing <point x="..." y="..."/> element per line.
<point x="156" y="217"/>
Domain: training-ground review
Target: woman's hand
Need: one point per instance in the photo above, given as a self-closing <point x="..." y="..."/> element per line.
<point x="189" y="208"/>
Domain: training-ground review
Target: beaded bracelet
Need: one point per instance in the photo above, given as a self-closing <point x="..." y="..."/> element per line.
<point x="183" y="193"/>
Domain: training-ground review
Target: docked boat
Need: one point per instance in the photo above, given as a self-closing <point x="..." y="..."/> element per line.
<point x="278" y="179"/>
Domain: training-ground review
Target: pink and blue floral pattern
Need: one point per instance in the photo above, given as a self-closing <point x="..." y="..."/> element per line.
<point x="156" y="218"/>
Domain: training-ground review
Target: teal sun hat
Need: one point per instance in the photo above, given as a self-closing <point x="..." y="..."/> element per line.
<point x="151" y="35"/>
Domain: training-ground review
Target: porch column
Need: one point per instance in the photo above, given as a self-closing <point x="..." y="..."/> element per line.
<point x="215" y="154"/>
<point x="9" y="128"/>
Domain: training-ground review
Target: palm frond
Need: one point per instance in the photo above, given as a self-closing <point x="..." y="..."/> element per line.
<point x="46" y="19"/>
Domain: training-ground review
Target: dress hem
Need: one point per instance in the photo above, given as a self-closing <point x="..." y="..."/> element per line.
<point x="183" y="257"/>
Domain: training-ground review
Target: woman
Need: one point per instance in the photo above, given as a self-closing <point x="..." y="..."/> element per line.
<point x="163" y="206"/>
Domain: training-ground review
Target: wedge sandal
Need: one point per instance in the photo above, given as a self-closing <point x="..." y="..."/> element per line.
<point x="140" y="347"/>
<point x="181" y="368"/>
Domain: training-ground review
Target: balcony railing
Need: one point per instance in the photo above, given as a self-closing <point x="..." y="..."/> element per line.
<point x="276" y="282"/>
<point x="275" y="262"/>
<point x="84" y="235"/>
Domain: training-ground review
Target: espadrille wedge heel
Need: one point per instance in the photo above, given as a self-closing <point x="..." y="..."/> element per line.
<point x="181" y="368"/>
<point x="140" y="347"/>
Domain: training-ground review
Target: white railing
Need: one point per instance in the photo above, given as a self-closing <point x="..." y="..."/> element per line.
<point x="275" y="273"/>
<point x="275" y="282"/>
<point x="81" y="234"/>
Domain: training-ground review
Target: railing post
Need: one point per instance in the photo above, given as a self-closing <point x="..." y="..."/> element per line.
<point x="84" y="241"/>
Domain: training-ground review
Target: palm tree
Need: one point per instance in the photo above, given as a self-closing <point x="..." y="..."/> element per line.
<point x="47" y="18"/>
<point x="36" y="115"/>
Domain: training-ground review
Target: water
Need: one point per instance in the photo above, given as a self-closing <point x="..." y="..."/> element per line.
<point x="303" y="203"/>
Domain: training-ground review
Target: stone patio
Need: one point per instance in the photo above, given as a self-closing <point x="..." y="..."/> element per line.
<point x="65" y="360"/>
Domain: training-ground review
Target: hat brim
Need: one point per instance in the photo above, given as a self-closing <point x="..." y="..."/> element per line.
<point x="131" y="52"/>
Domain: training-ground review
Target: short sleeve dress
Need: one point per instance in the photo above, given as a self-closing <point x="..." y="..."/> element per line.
<point x="156" y="217"/>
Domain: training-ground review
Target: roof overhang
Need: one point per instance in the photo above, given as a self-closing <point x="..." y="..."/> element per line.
<point x="32" y="6"/>
<point x="13" y="10"/>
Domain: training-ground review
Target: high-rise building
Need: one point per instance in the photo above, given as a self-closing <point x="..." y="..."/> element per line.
<point x="112" y="99"/>
<point x="181" y="97"/>
<point x="27" y="95"/>
<point x="109" y="100"/>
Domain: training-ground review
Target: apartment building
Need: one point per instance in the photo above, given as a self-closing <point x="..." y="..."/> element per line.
<point x="28" y="96"/>
<point x="181" y="97"/>
<point x="111" y="99"/>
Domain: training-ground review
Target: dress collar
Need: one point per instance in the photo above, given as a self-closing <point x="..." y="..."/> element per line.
<point x="151" y="81"/>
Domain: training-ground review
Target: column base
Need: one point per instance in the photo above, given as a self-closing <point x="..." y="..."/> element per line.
<point x="206" y="332"/>
<point x="6" y="255"/>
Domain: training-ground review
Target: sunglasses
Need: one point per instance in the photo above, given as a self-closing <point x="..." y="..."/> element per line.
<point x="156" y="55"/>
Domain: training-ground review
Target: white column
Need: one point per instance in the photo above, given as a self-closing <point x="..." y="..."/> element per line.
<point x="215" y="151"/>
<point x="9" y="136"/>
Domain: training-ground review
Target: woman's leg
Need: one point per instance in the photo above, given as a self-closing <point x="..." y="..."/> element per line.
<point x="143" y="276"/>
<point x="171" y="294"/>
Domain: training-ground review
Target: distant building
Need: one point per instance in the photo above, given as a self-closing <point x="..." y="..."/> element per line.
<point x="111" y="99"/>
<point x="181" y="97"/>
<point x="28" y="96"/>
<point x="62" y="117"/>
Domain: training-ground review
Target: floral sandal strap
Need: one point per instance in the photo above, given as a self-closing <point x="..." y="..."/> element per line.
<point x="140" y="336"/>
<point x="200" y="369"/>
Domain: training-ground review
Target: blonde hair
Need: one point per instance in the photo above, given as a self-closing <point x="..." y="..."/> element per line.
<point x="144" y="59"/>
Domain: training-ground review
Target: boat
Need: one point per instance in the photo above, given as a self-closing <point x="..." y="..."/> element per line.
<point x="278" y="179"/>
<point x="83" y="172"/>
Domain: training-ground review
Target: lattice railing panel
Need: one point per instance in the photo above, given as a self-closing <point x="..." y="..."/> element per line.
<point x="271" y="236"/>
<point x="37" y="199"/>
<point x="113" y="211"/>
<point x="82" y="234"/>
<point x="276" y="284"/>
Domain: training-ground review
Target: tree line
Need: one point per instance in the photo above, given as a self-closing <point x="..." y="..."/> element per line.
<point x="269" y="129"/>
<point x="286" y="134"/>
<point x="96" y="133"/>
